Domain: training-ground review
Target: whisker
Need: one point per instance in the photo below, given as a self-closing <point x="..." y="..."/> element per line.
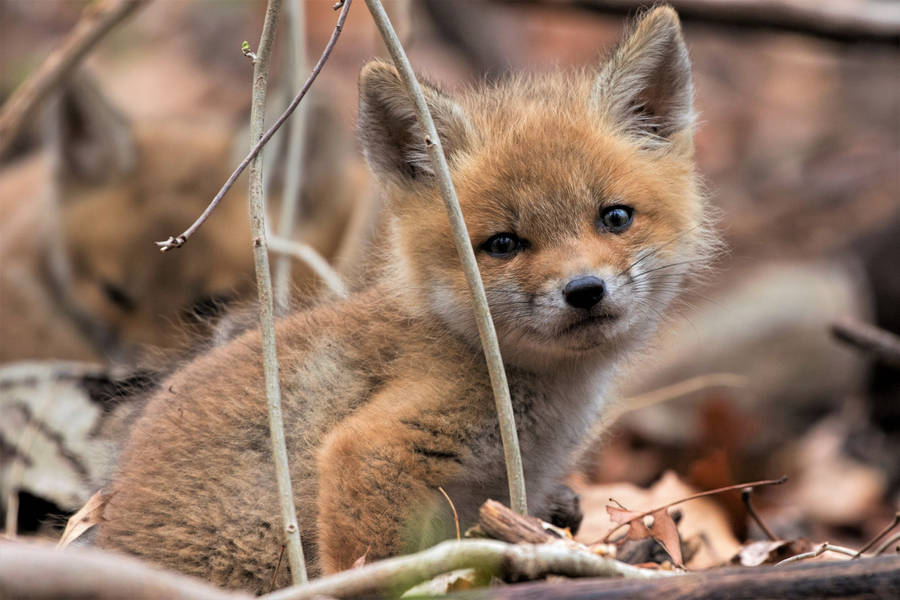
<point x="657" y="249"/>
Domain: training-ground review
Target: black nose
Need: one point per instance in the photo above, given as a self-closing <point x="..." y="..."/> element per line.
<point x="584" y="292"/>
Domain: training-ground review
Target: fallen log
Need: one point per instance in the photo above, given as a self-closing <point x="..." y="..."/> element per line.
<point x="868" y="578"/>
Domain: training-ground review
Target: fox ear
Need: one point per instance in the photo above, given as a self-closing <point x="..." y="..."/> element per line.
<point x="393" y="142"/>
<point x="646" y="85"/>
<point x="91" y="140"/>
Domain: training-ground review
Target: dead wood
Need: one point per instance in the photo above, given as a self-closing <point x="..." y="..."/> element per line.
<point x="501" y="523"/>
<point x="870" y="578"/>
<point x="39" y="571"/>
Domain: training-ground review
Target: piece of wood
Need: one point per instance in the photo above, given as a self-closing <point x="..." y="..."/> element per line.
<point x="39" y="571"/>
<point x="501" y="523"/>
<point x="869" y="578"/>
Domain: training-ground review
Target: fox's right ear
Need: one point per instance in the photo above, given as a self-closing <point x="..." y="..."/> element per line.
<point x="393" y="142"/>
<point x="91" y="141"/>
<point x="646" y="85"/>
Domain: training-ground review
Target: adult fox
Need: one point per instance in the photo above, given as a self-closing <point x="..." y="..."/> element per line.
<point x="583" y="206"/>
<point x="80" y="277"/>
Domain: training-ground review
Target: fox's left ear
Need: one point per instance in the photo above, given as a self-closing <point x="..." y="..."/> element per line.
<point x="392" y="141"/>
<point x="646" y="85"/>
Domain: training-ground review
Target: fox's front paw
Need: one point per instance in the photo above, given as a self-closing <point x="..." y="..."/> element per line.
<point x="564" y="508"/>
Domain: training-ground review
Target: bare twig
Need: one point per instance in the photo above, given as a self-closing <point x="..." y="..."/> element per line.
<point x="887" y="544"/>
<point x="290" y="197"/>
<point x="97" y="20"/>
<point x="486" y="330"/>
<point x="264" y="290"/>
<point x="179" y="241"/>
<point x="277" y="568"/>
<point x="453" y="508"/>
<point x="509" y="561"/>
<point x="748" y="503"/>
<point x="664" y="394"/>
<point x="727" y="488"/>
<point x="880" y="343"/>
<point x="308" y="255"/>
<point x="818" y="551"/>
<point x="883" y="533"/>
<point x="871" y="21"/>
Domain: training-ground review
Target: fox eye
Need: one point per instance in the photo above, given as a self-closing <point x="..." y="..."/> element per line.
<point x="616" y="219"/>
<point x="118" y="296"/>
<point x="504" y="245"/>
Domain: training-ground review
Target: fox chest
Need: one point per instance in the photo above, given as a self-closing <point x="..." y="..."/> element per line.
<point x="553" y="420"/>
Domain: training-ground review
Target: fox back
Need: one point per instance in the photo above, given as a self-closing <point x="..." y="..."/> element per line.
<point x="584" y="209"/>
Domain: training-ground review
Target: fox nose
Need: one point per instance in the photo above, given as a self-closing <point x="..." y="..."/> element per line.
<point x="584" y="292"/>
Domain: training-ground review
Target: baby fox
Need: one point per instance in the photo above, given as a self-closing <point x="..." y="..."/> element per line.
<point x="583" y="206"/>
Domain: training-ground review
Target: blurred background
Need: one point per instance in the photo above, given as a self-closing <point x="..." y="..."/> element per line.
<point x="799" y="143"/>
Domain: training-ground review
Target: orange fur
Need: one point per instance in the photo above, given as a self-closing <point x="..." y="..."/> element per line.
<point x="386" y="396"/>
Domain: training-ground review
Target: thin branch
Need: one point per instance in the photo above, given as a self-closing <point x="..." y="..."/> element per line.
<point x="486" y="330"/>
<point x="887" y="544"/>
<point x="264" y="290"/>
<point x="509" y="561"/>
<point x="748" y="504"/>
<point x="869" y="21"/>
<point x="290" y="197"/>
<point x="883" y="533"/>
<point x="664" y="394"/>
<point x="97" y="20"/>
<point x="277" y="568"/>
<point x="727" y="488"/>
<point x="818" y="551"/>
<point x="453" y="508"/>
<point x="880" y="343"/>
<point x="179" y="241"/>
<point x="308" y="255"/>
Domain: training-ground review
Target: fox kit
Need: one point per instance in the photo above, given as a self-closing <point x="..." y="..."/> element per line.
<point x="79" y="275"/>
<point x="583" y="206"/>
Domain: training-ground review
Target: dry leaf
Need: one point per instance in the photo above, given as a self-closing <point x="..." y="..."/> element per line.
<point x="636" y="529"/>
<point x="87" y="516"/>
<point x="766" y="552"/>
<point x="702" y="518"/>
<point x="454" y="581"/>
<point x="361" y="561"/>
<point x="665" y="532"/>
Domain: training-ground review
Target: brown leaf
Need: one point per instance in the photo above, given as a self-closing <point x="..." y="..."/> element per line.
<point x="361" y="561"/>
<point x="665" y="532"/>
<point x="766" y="552"/>
<point x="87" y="516"/>
<point x="636" y="529"/>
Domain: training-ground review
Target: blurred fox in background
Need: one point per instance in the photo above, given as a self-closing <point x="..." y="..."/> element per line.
<point x="80" y="278"/>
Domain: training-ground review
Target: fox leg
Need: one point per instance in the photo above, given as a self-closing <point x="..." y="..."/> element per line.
<point x="379" y="471"/>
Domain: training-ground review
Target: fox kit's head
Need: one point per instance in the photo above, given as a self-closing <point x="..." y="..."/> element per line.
<point x="579" y="192"/>
<point x="118" y="188"/>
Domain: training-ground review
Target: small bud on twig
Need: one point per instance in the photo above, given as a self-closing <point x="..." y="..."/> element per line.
<point x="246" y="51"/>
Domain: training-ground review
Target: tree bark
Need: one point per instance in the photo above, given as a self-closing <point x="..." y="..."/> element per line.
<point x="868" y="578"/>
